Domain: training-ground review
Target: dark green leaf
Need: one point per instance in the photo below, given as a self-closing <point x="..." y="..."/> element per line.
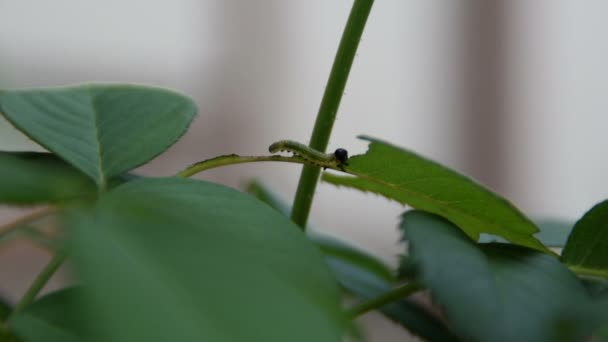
<point x="602" y="334"/>
<point x="366" y="285"/>
<point x="31" y="178"/>
<point x="586" y="251"/>
<point x="51" y="318"/>
<point x="410" y="179"/>
<point x="596" y="286"/>
<point x="183" y="260"/>
<point x="5" y="309"/>
<point x="364" y="276"/>
<point x="103" y="130"/>
<point x="498" y="292"/>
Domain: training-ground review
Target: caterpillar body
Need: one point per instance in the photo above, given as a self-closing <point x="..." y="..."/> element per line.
<point x="325" y="160"/>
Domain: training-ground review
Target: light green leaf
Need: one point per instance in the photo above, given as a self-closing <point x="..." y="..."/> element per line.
<point x="183" y="260"/>
<point x="31" y="178"/>
<point x="103" y="130"/>
<point x="498" y="292"/>
<point x="586" y="251"/>
<point x="410" y="179"/>
<point x="364" y="276"/>
<point x="51" y="318"/>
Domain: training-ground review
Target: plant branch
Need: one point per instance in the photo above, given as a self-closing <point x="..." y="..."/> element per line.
<point x="329" y="106"/>
<point x="7" y="230"/>
<point x="231" y="159"/>
<point x="383" y="299"/>
<point x="41" y="279"/>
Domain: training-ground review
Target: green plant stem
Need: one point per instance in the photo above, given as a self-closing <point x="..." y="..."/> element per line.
<point x="41" y="279"/>
<point x="383" y="299"/>
<point x="329" y="106"/>
<point x="230" y="159"/>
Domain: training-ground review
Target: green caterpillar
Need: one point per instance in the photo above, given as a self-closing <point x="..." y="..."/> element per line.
<point x="337" y="159"/>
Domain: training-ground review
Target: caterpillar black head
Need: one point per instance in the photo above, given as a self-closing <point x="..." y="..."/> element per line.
<point x="341" y="155"/>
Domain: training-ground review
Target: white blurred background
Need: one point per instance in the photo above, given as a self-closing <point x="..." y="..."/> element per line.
<point x="508" y="92"/>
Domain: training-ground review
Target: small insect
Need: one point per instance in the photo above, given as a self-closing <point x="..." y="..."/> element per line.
<point x="337" y="159"/>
